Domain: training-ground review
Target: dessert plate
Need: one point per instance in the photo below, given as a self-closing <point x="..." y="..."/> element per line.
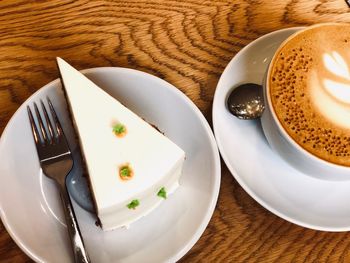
<point x="280" y="188"/>
<point x="30" y="206"/>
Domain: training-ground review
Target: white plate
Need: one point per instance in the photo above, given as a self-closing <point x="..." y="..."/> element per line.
<point x="29" y="202"/>
<point x="296" y="197"/>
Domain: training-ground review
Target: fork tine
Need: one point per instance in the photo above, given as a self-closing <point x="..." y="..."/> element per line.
<point x="55" y="119"/>
<point x="41" y="124"/>
<point x="33" y="126"/>
<point x="48" y="121"/>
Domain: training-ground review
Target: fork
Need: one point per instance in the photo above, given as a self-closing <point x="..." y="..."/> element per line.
<point x="56" y="161"/>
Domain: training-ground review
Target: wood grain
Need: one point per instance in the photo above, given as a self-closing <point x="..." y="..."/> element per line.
<point x="187" y="43"/>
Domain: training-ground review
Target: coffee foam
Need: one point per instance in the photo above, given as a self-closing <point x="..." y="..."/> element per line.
<point x="309" y="88"/>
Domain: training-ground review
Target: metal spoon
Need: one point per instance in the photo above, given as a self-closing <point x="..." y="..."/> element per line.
<point x="246" y="101"/>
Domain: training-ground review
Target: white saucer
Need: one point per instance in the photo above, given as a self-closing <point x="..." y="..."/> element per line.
<point x="30" y="207"/>
<point x="296" y="197"/>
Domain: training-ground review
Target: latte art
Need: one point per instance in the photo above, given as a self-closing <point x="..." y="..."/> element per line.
<point x="330" y="88"/>
<point x="309" y="82"/>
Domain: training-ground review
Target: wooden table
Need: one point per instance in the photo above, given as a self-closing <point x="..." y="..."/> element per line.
<point x="188" y="43"/>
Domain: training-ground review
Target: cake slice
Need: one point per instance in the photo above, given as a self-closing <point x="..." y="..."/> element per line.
<point x="131" y="166"/>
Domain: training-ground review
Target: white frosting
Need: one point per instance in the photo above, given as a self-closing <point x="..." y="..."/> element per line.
<point x="330" y="90"/>
<point x="155" y="160"/>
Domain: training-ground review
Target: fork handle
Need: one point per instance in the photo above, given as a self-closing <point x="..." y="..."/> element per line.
<point x="80" y="254"/>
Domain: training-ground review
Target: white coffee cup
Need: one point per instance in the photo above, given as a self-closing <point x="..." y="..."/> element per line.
<point x="287" y="148"/>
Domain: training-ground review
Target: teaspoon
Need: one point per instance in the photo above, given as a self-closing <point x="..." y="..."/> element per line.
<point x="246" y="101"/>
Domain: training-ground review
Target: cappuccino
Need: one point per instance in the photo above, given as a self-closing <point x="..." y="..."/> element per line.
<point x="309" y="89"/>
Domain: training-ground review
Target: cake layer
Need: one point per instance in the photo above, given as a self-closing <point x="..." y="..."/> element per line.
<point x="128" y="161"/>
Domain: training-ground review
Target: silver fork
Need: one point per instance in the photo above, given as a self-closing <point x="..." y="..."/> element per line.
<point x="56" y="161"/>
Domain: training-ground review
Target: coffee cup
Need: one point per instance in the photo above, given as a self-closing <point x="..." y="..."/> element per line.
<point x="307" y="97"/>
